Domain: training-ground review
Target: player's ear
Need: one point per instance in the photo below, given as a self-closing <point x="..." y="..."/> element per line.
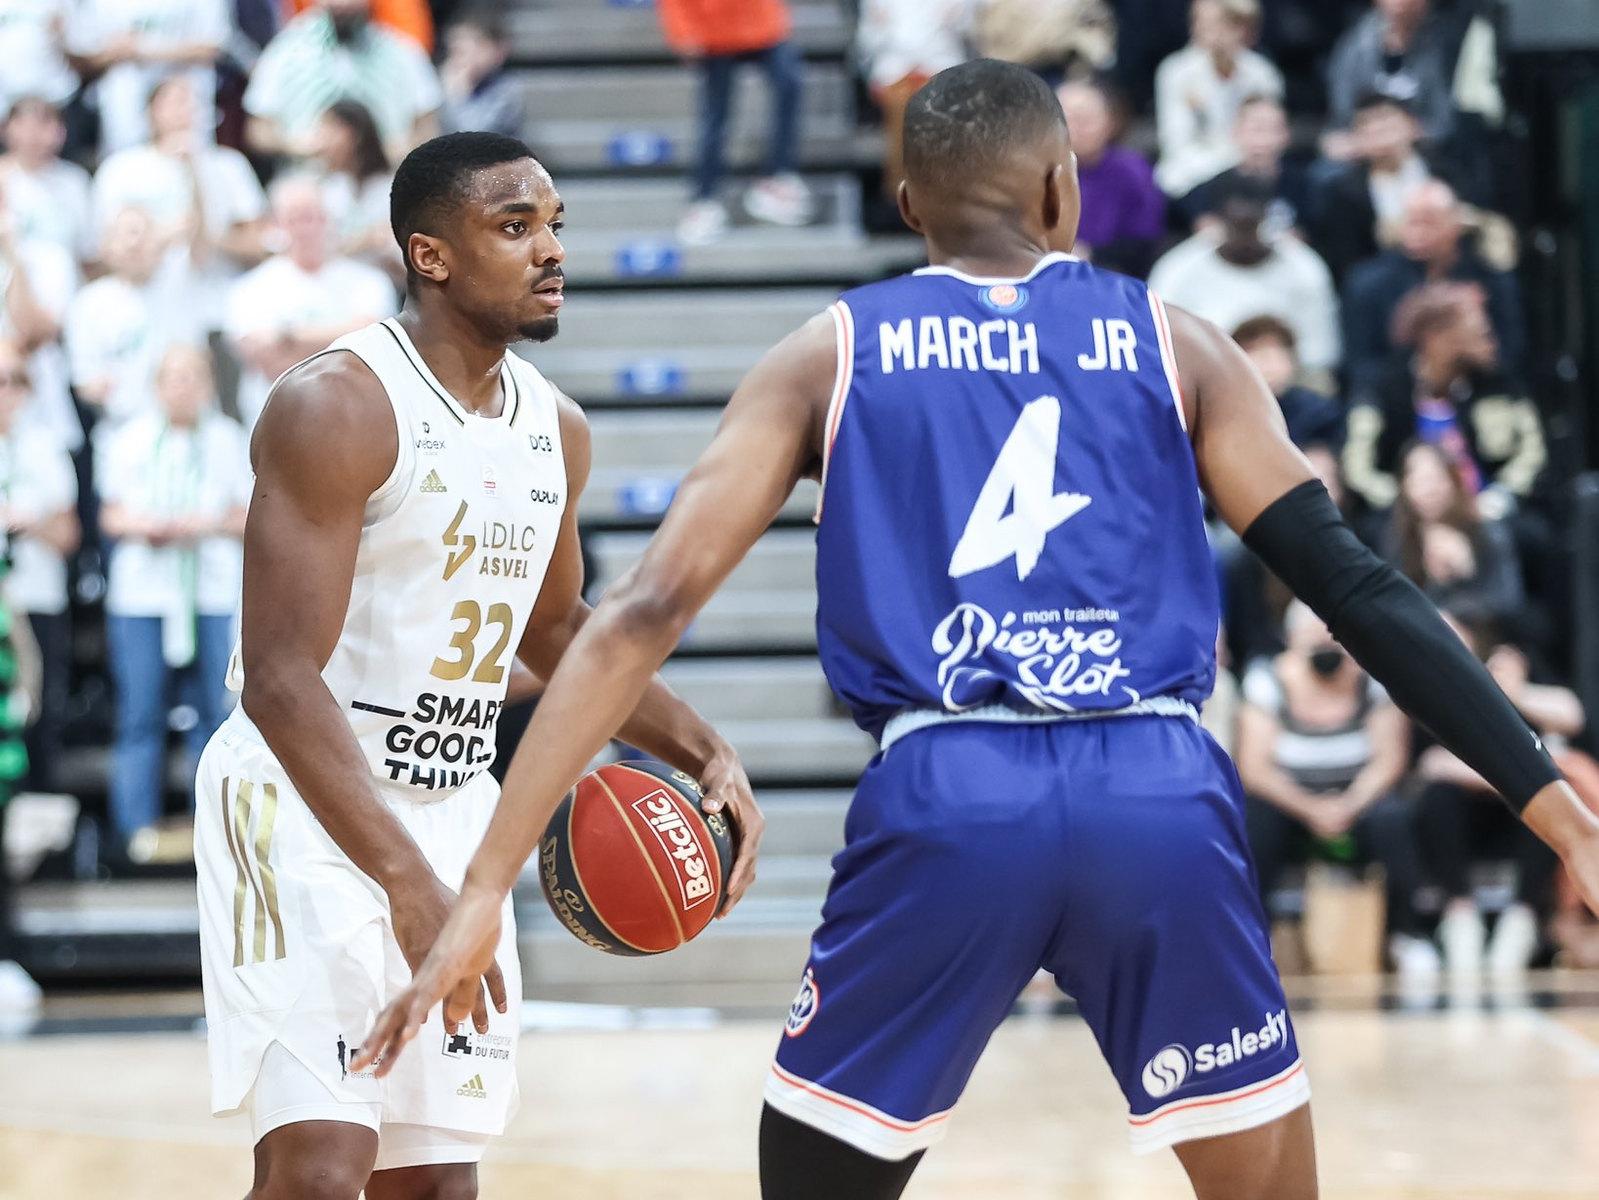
<point x="427" y="257"/>
<point x="1062" y="205"/>
<point x="907" y="211"/>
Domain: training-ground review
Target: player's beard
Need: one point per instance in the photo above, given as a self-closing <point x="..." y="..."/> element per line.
<point x="540" y="330"/>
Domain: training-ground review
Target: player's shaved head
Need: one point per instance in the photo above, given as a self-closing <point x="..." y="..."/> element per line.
<point x="436" y="178"/>
<point x="973" y="118"/>
<point x="988" y="163"/>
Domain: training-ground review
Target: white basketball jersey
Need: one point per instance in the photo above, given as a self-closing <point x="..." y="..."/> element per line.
<point x="453" y="552"/>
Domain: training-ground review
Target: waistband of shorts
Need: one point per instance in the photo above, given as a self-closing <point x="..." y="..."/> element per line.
<point x="916" y="719"/>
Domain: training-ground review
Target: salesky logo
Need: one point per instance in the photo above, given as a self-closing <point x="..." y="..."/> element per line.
<point x="803" y="1010"/>
<point x="473" y="1089"/>
<point x="455" y="558"/>
<point x="1172" y="1066"/>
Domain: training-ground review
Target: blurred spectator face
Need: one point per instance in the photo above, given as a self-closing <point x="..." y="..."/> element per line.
<point x="1386" y="134"/>
<point x="15" y="383"/>
<point x="184" y="385"/>
<point x="1428" y="483"/>
<point x="349" y="17"/>
<point x="1403" y="12"/>
<point x="131" y="248"/>
<point x="1273" y="357"/>
<point x="1310" y="639"/>
<point x="1261" y="134"/>
<point x="172" y="109"/>
<point x="472" y="51"/>
<point x="1324" y="463"/>
<point x="334" y="144"/>
<point x="34" y="132"/>
<point x="1464" y="339"/>
<point x="1430" y="229"/>
<point x="1241" y="219"/>
<point x="1089" y="118"/>
<point x="298" y="208"/>
<point x="1218" y="27"/>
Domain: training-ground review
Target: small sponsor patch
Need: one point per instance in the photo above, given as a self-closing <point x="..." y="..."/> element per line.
<point x="803" y="1010"/>
<point x="1005" y="297"/>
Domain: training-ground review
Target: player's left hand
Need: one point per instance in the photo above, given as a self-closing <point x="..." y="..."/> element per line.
<point x="463" y="952"/>
<point x="1571" y="829"/>
<point x="727" y="788"/>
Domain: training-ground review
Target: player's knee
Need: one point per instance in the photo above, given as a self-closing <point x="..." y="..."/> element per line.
<point x="308" y="1179"/>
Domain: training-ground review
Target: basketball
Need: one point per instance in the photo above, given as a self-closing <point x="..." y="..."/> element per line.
<point x="630" y="863"/>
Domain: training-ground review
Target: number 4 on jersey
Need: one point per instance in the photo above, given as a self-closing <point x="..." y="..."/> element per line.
<point x="1022" y="481"/>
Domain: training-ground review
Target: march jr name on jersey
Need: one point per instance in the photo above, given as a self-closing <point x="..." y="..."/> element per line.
<point x="961" y="344"/>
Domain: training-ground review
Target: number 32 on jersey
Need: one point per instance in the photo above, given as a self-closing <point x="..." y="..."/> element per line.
<point x="1018" y="506"/>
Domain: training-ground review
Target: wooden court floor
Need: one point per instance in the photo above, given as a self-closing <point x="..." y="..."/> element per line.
<point x="1476" y="1103"/>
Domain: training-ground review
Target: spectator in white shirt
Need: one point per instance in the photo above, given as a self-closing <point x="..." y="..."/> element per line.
<point x="1241" y="275"/>
<point x="335" y="51"/>
<point x="206" y="196"/>
<point x="129" y="46"/>
<point x="48" y="196"/>
<point x="32" y="34"/>
<point x="37" y="282"/>
<point x="175" y="482"/>
<point x="355" y="184"/>
<point x="118" y="326"/>
<point x="1199" y="89"/>
<point x="38" y="511"/>
<point x="293" y="305"/>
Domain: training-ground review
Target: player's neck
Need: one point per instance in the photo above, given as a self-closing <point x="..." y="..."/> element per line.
<point x="1009" y="255"/>
<point x="457" y="354"/>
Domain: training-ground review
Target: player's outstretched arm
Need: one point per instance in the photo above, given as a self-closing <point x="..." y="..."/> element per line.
<point x="662" y="724"/>
<point x="317" y="462"/>
<point x="769" y="438"/>
<point x="1264" y="489"/>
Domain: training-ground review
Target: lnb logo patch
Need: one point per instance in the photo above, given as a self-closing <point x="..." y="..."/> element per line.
<point x="1167" y="1071"/>
<point x="801" y="1012"/>
<point x="1004" y="297"/>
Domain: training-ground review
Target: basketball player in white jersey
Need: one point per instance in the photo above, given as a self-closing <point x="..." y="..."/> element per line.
<point x="411" y="536"/>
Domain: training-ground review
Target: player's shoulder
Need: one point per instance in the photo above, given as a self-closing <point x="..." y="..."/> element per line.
<point x="328" y="412"/>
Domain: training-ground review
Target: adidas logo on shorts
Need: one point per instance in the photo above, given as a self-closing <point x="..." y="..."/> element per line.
<point x="433" y="483"/>
<point x="472" y="1089"/>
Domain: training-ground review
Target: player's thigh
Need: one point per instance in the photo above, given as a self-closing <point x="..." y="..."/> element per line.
<point x="1164" y="943"/>
<point x="941" y="903"/>
<point x="446" y="1181"/>
<point x="1275" y="1161"/>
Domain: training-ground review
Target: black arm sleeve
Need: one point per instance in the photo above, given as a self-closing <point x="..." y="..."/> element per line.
<point x="1394" y="631"/>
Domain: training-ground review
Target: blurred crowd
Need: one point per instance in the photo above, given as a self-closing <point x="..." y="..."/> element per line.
<point x="194" y="196"/>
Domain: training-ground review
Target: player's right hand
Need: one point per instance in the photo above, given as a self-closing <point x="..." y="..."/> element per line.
<point x="1571" y="829"/>
<point x="418" y="912"/>
<point x="462" y="953"/>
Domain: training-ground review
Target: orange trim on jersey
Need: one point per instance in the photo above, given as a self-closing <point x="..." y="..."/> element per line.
<point x="844" y="374"/>
<point x="1168" y="355"/>
<point x="863" y="1110"/>
<point x="1210" y="1101"/>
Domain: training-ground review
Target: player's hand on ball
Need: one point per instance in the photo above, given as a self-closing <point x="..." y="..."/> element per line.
<point x="727" y="789"/>
<point x="462" y="954"/>
<point x="419" y="913"/>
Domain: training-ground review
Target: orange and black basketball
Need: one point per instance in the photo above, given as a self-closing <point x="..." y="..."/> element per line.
<point x="631" y="864"/>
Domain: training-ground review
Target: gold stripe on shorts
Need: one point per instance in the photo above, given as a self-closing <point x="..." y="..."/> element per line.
<point x="269" y="879"/>
<point x="238" y="865"/>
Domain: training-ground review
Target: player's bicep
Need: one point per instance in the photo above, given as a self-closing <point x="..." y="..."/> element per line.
<point x="1245" y="458"/>
<point x="316" y="466"/>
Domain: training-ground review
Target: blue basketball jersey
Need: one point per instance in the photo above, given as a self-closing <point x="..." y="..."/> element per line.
<point x="1011" y="512"/>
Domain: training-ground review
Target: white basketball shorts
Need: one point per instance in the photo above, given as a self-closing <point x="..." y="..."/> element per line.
<point x="297" y="949"/>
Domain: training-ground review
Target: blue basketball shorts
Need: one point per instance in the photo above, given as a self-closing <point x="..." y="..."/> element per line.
<point x="1110" y="853"/>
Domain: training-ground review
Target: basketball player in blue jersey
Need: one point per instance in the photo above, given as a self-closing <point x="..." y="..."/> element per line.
<point x="1016" y="599"/>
